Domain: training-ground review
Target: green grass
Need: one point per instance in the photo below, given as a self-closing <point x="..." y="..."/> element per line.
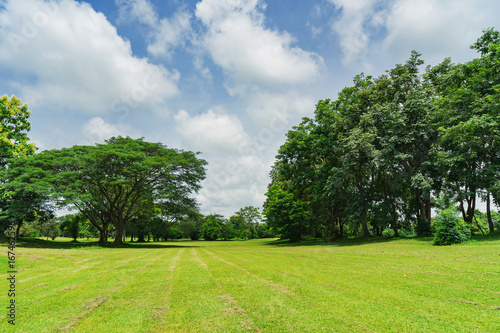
<point x="404" y="285"/>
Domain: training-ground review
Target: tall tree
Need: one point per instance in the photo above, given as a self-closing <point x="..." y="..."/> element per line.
<point x="212" y="228"/>
<point x="17" y="205"/>
<point x="113" y="182"/>
<point x="14" y="128"/>
<point x="469" y="142"/>
<point x="251" y="216"/>
<point x="71" y="224"/>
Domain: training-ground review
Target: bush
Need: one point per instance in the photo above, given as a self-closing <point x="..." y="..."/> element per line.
<point x="388" y="233"/>
<point x="211" y="228"/>
<point x="450" y="229"/>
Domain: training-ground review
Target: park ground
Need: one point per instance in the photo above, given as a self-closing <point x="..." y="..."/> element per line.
<point x="401" y="285"/>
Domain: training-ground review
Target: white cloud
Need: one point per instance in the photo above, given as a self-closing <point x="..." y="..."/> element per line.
<point x="390" y="29"/>
<point x="140" y="10"/>
<point x="211" y="132"/>
<point x="96" y="130"/>
<point x="350" y="27"/>
<point x="248" y="52"/>
<point x="236" y="173"/>
<point x="70" y="57"/>
<point x="233" y="183"/>
<point x="279" y="111"/>
<point x="171" y="33"/>
<point x="438" y="29"/>
<point x="165" y="34"/>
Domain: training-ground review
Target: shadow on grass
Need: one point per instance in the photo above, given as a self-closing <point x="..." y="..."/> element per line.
<point x="25" y="242"/>
<point x="335" y="242"/>
<point x="478" y="238"/>
<point x="375" y="240"/>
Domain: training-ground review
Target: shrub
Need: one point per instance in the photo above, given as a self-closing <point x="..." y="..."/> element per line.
<point x="450" y="229"/>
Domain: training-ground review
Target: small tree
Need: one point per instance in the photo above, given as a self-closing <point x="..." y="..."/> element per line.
<point x="88" y="230"/>
<point x="212" y="227"/>
<point x="70" y="224"/>
<point x="47" y="227"/>
<point x="450" y="228"/>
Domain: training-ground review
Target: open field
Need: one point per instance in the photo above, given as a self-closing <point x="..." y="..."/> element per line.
<point x="259" y="285"/>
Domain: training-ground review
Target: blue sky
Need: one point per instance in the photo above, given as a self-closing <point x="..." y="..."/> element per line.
<point x="227" y="78"/>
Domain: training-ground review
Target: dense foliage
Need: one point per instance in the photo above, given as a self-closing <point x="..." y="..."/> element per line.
<point x="18" y="204"/>
<point x="450" y="229"/>
<point x="113" y="183"/>
<point x="375" y="157"/>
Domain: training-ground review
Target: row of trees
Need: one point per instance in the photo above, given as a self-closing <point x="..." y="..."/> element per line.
<point x="244" y="224"/>
<point x="379" y="155"/>
<point x="113" y="184"/>
<point x="122" y="188"/>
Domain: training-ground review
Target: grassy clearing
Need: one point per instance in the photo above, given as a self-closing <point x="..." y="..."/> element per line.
<point x="259" y="285"/>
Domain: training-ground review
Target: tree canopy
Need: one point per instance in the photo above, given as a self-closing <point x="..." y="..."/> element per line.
<point x="375" y="157"/>
<point x="111" y="183"/>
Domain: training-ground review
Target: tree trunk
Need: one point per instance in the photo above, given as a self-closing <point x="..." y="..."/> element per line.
<point x="423" y="215"/>
<point x="364" y="224"/>
<point x="102" y="236"/>
<point x="341" y="228"/>
<point x="120" y="227"/>
<point x="488" y="213"/>
<point x="468" y="214"/>
<point x="394" y="218"/>
<point x="18" y="229"/>
<point x="478" y="225"/>
<point x="393" y="206"/>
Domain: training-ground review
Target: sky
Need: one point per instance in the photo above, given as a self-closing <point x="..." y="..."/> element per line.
<point x="227" y="78"/>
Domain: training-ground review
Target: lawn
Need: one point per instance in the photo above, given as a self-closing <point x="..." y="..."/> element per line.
<point x="260" y="285"/>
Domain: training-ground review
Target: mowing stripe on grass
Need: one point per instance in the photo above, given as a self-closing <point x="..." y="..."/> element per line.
<point x="269" y="283"/>
<point x="130" y="307"/>
<point x="228" y="299"/>
<point x="270" y="309"/>
<point x="235" y="287"/>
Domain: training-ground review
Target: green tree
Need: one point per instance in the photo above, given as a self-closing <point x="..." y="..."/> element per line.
<point x="251" y="217"/>
<point x="16" y="205"/>
<point x="469" y="147"/>
<point x="284" y="213"/>
<point x="88" y="230"/>
<point x="71" y="224"/>
<point x="47" y="226"/>
<point x="212" y="227"/>
<point x="22" y="205"/>
<point x="450" y="229"/>
<point x="237" y="225"/>
<point x="113" y="182"/>
<point x="14" y="126"/>
<point x="191" y="226"/>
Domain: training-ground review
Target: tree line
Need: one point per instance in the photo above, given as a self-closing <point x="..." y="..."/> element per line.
<point x="121" y="188"/>
<point x="243" y="225"/>
<point x="391" y="148"/>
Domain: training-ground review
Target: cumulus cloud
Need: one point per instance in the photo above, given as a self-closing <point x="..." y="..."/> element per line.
<point x="96" y="130"/>
<point x="165" y="34"/>
<point x="248" y="52"/>
<point x="276" y="110"/>
<point x="392" y="28"/>
<point x="140" y="10"/>
<point x="237" y="170"/>
<point x="235" y="182"/>
<point x="437" y="29"/>
<point x="212" y="132"/>
<point x="351" y="27"/>
<point x="68" y="56"/>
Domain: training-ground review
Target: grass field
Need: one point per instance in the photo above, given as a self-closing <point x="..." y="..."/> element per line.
<point x="258" y="285"/>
